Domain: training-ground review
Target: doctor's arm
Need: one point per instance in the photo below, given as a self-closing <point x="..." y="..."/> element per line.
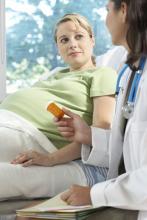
<point x="74" y="128"/>
<point x="127" y="191"/>
<point x="102" y="117"/>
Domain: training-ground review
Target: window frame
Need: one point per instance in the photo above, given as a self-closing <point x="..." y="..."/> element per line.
<point x="2" y="51"/>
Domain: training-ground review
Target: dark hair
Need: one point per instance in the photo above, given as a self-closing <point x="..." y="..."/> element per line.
<point x="137" y="27"/>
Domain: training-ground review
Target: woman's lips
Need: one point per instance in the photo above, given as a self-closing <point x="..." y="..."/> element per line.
<point x="74" y="53"/>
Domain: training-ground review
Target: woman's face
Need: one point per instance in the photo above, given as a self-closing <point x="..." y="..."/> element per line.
<point x="75" y="45"/>
<point x="116" y="23"/>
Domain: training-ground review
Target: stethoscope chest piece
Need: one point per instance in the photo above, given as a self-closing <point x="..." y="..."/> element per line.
<point x="127" y="110"/>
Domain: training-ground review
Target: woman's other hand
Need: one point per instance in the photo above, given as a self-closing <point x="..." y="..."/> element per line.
<point x="32" y="157"/>
<point x="74" y="128"/>
<point x="77" y="195"/>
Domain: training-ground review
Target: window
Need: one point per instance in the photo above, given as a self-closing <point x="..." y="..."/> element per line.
<point x="2" y="52"/>
<point x="31" y="50"/>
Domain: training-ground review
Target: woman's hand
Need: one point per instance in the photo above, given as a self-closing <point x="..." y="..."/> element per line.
<point x="74" y="128"/>
<point x="77" y="195"/>
<point x="32" y="157"/>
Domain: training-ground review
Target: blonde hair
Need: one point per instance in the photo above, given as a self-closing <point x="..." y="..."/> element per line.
<point x="77" y="19"/>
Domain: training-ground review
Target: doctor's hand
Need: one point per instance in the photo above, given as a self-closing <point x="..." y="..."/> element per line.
<point x="74" y="128"/>
<point x="77" y="195"/>
<point x="32" y="157"/>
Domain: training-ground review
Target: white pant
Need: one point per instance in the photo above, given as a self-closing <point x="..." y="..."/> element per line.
<point x="33" y="181"/>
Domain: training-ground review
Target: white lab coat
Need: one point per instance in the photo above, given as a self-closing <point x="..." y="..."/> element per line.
<point x="128" y="191"/>
<point x="112" y="58"/>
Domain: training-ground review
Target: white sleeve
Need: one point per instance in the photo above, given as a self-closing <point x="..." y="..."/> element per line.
<point x="128" y="191"/>
<point x="114" y="58"/>
<point x="98" y="153"/>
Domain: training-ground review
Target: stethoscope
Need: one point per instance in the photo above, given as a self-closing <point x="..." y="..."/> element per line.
<point x="128" y="108"/>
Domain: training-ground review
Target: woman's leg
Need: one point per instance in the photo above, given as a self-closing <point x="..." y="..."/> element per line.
<point x="33" y="181"/>
<point x="37" y="181"/>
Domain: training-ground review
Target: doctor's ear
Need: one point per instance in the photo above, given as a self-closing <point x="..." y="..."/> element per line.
<point x="124" y="11"/>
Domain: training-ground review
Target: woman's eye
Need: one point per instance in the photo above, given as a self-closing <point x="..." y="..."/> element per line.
<point x="64" y="40"/>
<point x="79" y="36"/>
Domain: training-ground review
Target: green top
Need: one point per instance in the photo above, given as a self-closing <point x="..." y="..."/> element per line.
<point x="72" y="90"/>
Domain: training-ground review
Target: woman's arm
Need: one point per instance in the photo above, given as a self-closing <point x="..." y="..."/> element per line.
<point x="76" y="130"/>
<point x="103" y="111"/>
<point x="66" y="154"/>
<point x="97" y="153"/>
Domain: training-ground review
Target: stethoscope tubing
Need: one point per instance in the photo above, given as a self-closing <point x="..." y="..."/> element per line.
<point x="128" y="108"/>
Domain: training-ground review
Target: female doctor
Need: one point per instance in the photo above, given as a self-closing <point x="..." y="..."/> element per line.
<point x="127" y="23"/>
